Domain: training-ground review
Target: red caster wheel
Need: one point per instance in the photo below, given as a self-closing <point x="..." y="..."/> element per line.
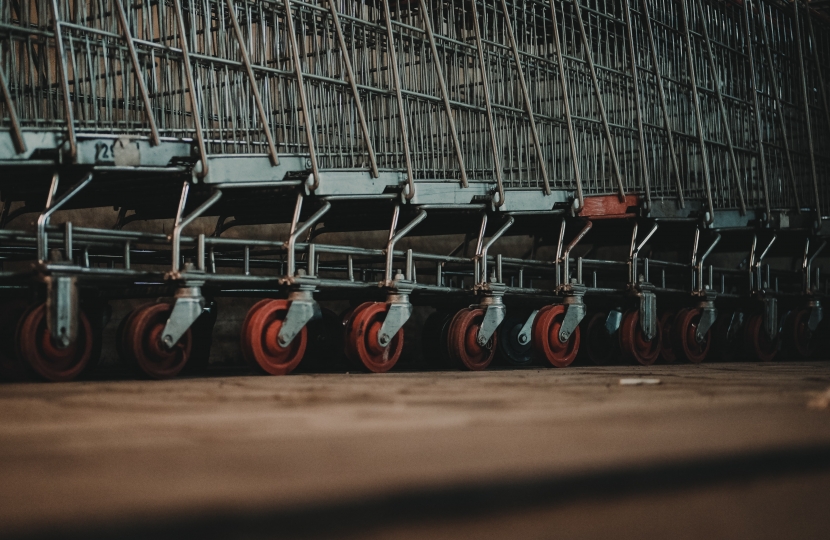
<point x="683" y="339"/>
<point x="11" y="369"/>
<point x="756" y="341"/>
<point x="462" y="344"/>
<point x="666" y="350"/>
<point x="142" y="343"/>
<point x="633" y="342"/>
<point x="799" y="335"/>
<point x="35" y="347"/>
<point x="260" y="345"/>
<point x="546" y="340"/>
<point x="361" y="339"/>
<point x="599" y="347"/>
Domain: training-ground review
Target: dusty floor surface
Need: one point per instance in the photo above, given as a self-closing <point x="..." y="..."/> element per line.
<point x="715" y="451"/>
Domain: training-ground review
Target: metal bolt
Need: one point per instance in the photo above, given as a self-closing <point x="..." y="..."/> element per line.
<point x="522" y="339"/>
<point x="383" y="339"/>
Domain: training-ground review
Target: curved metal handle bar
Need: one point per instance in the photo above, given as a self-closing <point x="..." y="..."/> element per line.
<point x="566" y="256"/>
<point x="764" y="254"/>
<point x="646" y="239"/>
<point x="482" y="255"/>
<point x="52" y="206"/>
<point x="390" y="246"/>
<point x="182" y="223"/>
<point x="702" y="260"/>
<point x="296" y="232"/>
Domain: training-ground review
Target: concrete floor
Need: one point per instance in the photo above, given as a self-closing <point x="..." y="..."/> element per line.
<point x="716" y="451"/>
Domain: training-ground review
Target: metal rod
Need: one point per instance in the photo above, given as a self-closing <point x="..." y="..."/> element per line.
<point x="756" y="106"/>
<point x="773" y="78"/>
<point x="396" y="81"/>
<point x="636" y="83"/>
<point x="655" y="62"/>
<point x="724" y="120"/>
<point x="390" y="245"/>
<point x="298" y="72"/>
<point x="64" y="75"/>
<point x="142" y="86"/>
<point x="243" y="50"/>
<point x="566" y="104"/>
<point x="807" y="120"/>
<point x="347" y="62"/>
<point x="609" y="138"/>
<point x="482" y="255"/>
<point x="526" y="96"/>
<point x="698" y="114"/>
<point x="184" y="222"/>
<point x="488" y="105"/>
<point x="53" y="205"/>
<point x="296" y="232"/>
<point x="566" y="256"/>
<point x="17" y="133"/>
<point x="443" y="86"/>
<point x="191" y="89"/>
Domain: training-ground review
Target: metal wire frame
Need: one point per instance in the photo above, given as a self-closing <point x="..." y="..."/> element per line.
<point x="726" y="104"/>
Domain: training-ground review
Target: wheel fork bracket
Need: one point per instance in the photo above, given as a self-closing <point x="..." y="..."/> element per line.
<point x="648" y="314"/>
<point x="574" y="313"/>
<point x="302" y="310"/>
<point x="816" y="315"/>
<point x="188" y="306"/>
<point x="399" y="312"/>
<point x="771" y="316"/>
<point x="62" y="309"/>
<point x="494" y="313"/>
<point x="708" y="317"/>
<point x="527" y="328"/>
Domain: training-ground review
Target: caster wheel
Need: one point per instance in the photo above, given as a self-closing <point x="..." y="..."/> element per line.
<point x="99" y="315"/>
<point x="801" y="340"/>
<point x="434" y="340"/>
<point x="362" y="327"/>
<point x="546" y="340"/>
<point x="324" y="351"/>
<point x="634" y="344"/>
<point x="727" y="336"/>
<point x="757" y="343"/>
<point x="142" y="344"/>
<point x="49" y="362"/>
<point x="259" y="339"/>
<point x="683" y="341"/>
<point x="599" y="347"/>
<point x="666" y="350"/>
<point x="11" y="369"/>
<point x="202" y="331"/>
<point x="462" y="344"/>
<point x="511" y="350"/>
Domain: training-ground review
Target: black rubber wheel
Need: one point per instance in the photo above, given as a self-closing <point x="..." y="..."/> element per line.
<point x="325" y="345"/>
<point x="511" y="351"/>
<point x="434" y="340"/>
<point x="202" y="339"/>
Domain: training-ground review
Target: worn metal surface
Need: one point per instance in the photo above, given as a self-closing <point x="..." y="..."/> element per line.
<point x="221" y="455"/>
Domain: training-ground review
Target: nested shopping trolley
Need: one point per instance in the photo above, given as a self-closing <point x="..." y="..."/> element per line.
<point x="627" y="143"/>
